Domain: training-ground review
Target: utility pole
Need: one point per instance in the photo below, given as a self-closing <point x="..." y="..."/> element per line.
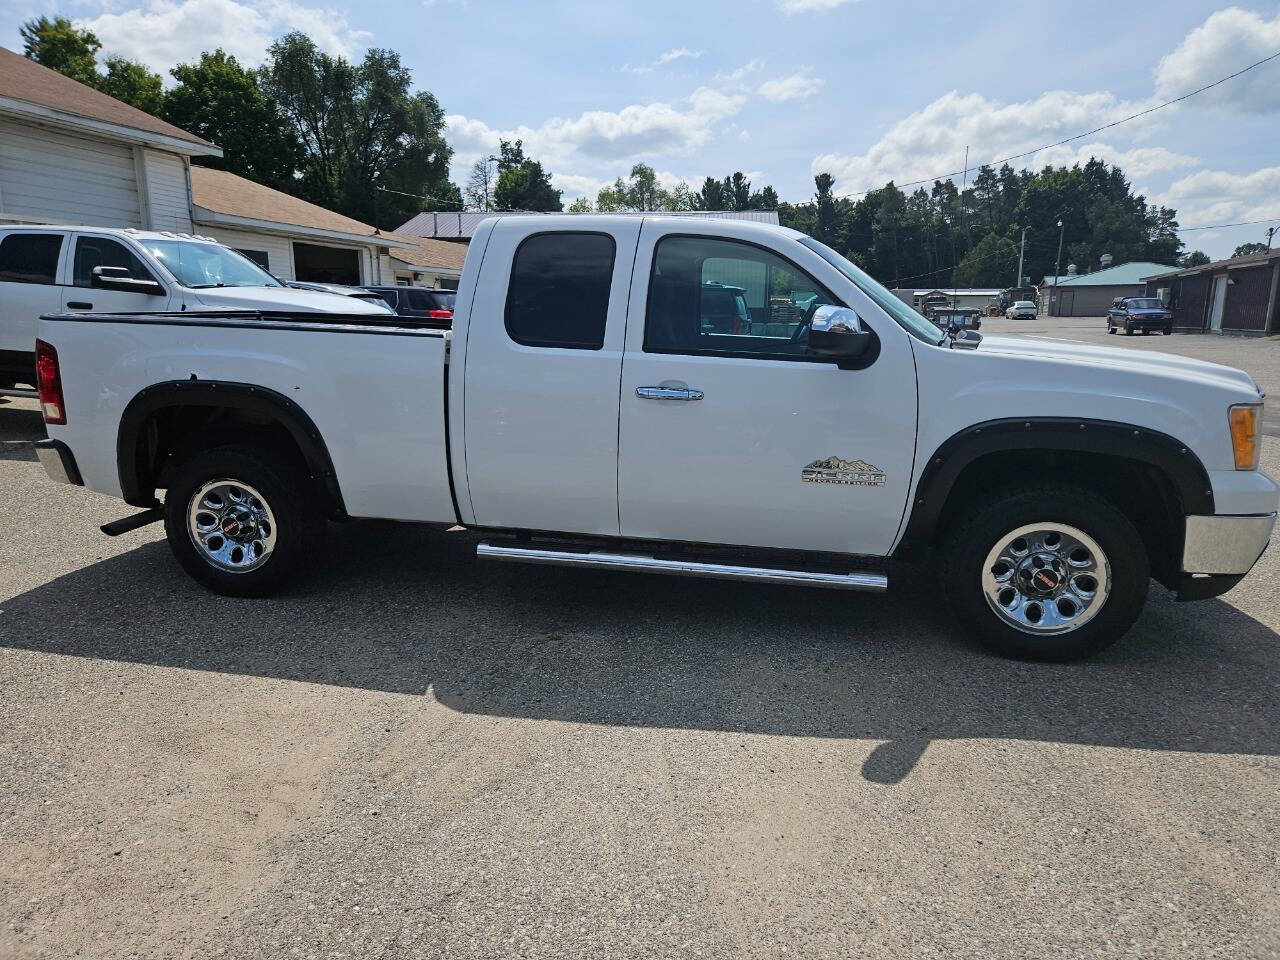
<point x="1057" y="268"/>
<point x="1022" y="247"/>
<point x="1271" y="232"/>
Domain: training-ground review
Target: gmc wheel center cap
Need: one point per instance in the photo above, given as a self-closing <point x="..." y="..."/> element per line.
<point x="1042" y="573"/>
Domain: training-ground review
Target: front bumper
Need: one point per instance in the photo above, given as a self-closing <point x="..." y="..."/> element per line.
<point x="58" y="461"/>
<point x="1219" y="550"/>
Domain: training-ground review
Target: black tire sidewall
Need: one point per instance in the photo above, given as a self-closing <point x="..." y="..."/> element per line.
<point x="285" y="489"/>
<point x="969" y="545"/>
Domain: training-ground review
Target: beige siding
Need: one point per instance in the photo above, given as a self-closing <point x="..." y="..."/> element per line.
<point x="278" y="249"/>
<point x="167" y="194"/>
<point x="52" y="176"/>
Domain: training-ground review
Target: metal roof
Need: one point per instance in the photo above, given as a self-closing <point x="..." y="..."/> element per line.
<point x="1232" y="263"/>
<point x="1121" y="275"/>
<point x="463" y="224"/>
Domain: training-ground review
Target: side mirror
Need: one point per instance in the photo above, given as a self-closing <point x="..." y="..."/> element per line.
<point x="839" y="332"/>
<point x="117" y="278"/>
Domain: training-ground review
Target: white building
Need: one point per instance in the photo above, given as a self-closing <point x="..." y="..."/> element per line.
<point x="70" y="154"/>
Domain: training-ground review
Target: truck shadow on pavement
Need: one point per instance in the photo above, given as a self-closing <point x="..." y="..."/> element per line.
<point x="19" y="427"/>
<point x="410" y="610"/>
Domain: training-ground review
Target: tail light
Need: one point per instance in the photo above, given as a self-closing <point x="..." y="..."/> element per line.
<point x="49" y="384"/>
<point x="440" y="314"/>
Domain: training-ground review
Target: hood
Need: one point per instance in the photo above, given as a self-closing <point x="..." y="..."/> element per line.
<point x="280" y="298"/>
<point x="1131" y="361"/>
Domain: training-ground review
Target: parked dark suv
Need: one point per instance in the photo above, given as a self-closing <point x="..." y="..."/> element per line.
<point x="1139" y="313"/>
<point x="423" y="303"/>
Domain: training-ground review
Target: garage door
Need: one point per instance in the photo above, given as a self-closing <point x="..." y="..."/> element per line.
<point x="46" y="175"/>
<point x="326" y="264"/>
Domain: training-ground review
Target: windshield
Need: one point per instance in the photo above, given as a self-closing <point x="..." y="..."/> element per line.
<point x="198" y="265"/>
<point x="1149" y="304"/>
<point x="905" y="316"/>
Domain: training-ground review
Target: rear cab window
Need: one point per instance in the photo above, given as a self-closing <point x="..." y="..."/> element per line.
<point x="558" y="294"/>
<point x="30" y="257"/>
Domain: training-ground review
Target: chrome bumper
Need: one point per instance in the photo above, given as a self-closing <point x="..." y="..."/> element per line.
<point x="1225" y="544"/>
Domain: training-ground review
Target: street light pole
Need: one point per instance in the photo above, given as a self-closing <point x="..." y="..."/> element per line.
<point x="1271" y="232"/>
<point x="1022" y="247"/>
<point x="1057" y="267"/>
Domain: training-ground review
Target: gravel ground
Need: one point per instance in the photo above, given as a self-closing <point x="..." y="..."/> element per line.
<point x="413" y="754"/>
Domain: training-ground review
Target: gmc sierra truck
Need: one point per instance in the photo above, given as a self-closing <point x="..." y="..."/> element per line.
<point x="591" y="408"/>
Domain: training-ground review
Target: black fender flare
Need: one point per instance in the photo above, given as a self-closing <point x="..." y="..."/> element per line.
<point x="1171" y="457"/>
<point x="221" y="393"/>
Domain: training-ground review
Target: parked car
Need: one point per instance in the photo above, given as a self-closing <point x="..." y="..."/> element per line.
<point x="55" y="269"/>
<point x="579" y="414"/>
<point x="342" y="290"/>
<point x="1139" y="313"/>
<point x="431" y="304"/>
<point x="1022" y="310"/>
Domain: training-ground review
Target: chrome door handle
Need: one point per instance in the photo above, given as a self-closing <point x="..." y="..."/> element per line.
<point x="668" y="393"/>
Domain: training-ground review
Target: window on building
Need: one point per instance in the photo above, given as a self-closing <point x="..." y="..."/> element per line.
<point x="559" y="290"/>
<point x="257" y="256"/>
<point x="725" y="297"/>
<point x="448" y="283"/>
<point x="102" y="252"/>
<point x="317" y="264"/>
<point x="30" y="257"/>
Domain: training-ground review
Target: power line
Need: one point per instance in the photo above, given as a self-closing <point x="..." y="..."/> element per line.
<point x="1087" y="133"/>
<point x="1217" y="226"/>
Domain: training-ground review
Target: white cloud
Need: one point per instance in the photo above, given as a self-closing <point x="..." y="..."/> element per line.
<point x="635" y="131"/>
<point x="1215" y="196"/>
<point x="796" y="86"/>
<point x="166" y="32"/>
<point x="678" y="53"/>
<point x="740" y="74"/>
<point x="1138" y="162"/>
<point x="1227" y="41"/>
<point x="810" y="6"/>
<point x="931" y="141"/>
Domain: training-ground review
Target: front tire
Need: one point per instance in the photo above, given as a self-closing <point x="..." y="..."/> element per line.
<point x="1053" y="573"/>
<point x="241" y="519"/>
<point x="1128" y="329"/>
<point x="1167" y="330"/>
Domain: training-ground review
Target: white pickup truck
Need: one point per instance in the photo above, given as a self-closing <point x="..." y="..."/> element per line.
<point x="678" y="396"/>
<point x="51" y="269"/>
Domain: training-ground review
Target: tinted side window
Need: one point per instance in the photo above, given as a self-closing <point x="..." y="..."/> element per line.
<point x="30" y="257"/>
<point x="559" y="292"/>
<point x="726" y="297"/>
<point x="390" y="297"/>
<point x="100" y="252"/>
<point x="420" y="300"/>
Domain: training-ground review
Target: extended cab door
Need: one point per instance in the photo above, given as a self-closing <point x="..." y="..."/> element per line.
<point x="29" y="265"/>
<point x="740" y="436"/>
<point x="91" y="250"/>
<point x="542" y="355"/>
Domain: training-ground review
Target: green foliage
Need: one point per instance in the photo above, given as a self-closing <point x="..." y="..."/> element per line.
<point x="581" y="205"/>
<point x="641" y="191"/>
<point x="522" y="183"/>
<point x="733" y="193"/>
<point x="221" y="101"/>
<point x="1196" y="258"/>
<point x="947" y="236"/>
<point x="1247" y="248"/>
<point x="371" y="148"/>
<point x="59" y="45"/>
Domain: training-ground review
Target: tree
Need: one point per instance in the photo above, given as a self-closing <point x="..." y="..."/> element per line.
<point x="221" y="101"/>
<point x="710" y="197"/>
<point x="581" y="205"/>
<point x="825" y="205"/>
<point x="991" y="263"/>
<point x="737" y="191"/>
<point x="480" y="183"/>
<point x="1247" y="248"/>
<point x="1196" y="258"/>
<point x="60" y="45"/>
<point x="372" y="148"/>
<point x="522" y="183"/>
<point x="641" y="191"/>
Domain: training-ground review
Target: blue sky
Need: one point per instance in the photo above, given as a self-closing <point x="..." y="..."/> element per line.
<point x="782" y="89"/>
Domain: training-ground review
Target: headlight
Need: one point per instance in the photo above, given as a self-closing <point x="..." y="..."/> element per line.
<point x="1245" y="440"/>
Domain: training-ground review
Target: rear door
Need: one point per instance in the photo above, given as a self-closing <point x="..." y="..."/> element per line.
<point x="91" y="250"/>
<point x="746" y="438"/>
<point x="29" y="267"/>
<point x="542" y="357"/>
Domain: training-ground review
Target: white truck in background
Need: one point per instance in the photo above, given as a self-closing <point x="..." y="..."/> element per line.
<point x="55" y="269"/>
<point x="594" y="406"/>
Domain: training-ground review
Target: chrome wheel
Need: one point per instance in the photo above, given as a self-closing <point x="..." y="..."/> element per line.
<point x="1046" y="578"/>
<point x="231" y="525"/>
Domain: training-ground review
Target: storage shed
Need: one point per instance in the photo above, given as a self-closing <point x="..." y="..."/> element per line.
<point x="1237" y="296"/>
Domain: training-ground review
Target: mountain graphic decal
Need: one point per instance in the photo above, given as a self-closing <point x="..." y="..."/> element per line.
<point x="856" y="473"/>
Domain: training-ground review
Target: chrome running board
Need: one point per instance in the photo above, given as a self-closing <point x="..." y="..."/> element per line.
<point x="599" y="559"/>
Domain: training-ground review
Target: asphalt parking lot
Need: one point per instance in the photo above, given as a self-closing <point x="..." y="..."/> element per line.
<point x="415" y="754"/>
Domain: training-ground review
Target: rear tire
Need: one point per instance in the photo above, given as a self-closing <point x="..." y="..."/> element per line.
<point x="242" y="519"/>
<point x="1098" y="562"/>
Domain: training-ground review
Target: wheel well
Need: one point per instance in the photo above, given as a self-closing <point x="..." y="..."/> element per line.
<point x="161" y="430"/>
<point x="1141" y="491"/>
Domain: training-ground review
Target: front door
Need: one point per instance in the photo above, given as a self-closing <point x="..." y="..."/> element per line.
<point x="1217" y="303"/>
<point x="101" y="251"/>
<point x="730" y="432"/>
